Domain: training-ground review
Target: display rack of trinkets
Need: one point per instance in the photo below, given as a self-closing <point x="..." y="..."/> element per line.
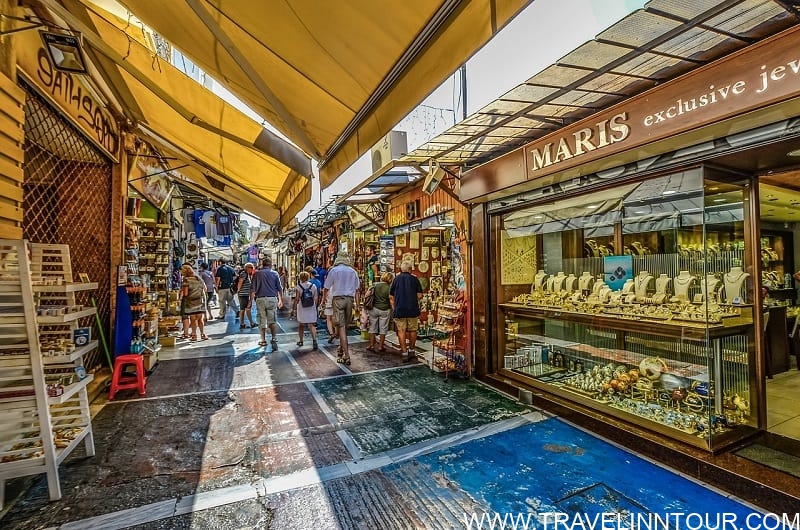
<point x="45" y="407"/>
<point x="147" y="247"/>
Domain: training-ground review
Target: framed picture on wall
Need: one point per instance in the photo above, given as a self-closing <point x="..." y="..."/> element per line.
<point x="424" y="254"/>
<point x="413" y="240"/>
<point x="436" y="268"/>
<point x="400" y="240"/>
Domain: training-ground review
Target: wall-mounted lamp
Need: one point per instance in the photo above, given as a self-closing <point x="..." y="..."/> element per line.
<point x="65" y="52"/>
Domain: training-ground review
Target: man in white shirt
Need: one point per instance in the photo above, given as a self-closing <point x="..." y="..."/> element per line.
<point x="341" y="285"/>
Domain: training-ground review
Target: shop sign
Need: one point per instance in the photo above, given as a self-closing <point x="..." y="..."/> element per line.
<point x="70" y="93"/>
<point x="755" y="77"/>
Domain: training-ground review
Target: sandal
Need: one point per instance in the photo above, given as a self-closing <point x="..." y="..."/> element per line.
<point x="203" y="337"/>
<point x="299" y="342"/>
<point x="371" y="348"/>
<point x="262" y="343"/>
<point x="382" y="350"/>
<point x="342" y="360"/>
<point x="193" y="338"/>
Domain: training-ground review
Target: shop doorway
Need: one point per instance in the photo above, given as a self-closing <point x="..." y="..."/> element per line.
<point x="67" y="199"/>
<point x="779" y="207"/>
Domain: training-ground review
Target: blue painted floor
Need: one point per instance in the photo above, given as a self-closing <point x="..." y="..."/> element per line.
<point x="560" y="473"/>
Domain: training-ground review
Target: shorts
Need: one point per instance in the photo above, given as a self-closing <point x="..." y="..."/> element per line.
<point x="267" y="311"/>
<point x="343" y="311"/>
<point x="329" y="307"/>
<point x="244" y="301"/>
<point x="407" y="324"/>
<point x="379" y="321"/>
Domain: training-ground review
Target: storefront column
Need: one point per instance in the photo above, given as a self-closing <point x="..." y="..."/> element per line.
<point x="119" y="197"/>
<point x="480" y="290"/>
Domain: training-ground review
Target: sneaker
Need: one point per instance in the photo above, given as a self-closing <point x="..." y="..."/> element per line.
<point x="274" y="345"/>
<point x="408" y="357"/>
<point x="330" y="339"/>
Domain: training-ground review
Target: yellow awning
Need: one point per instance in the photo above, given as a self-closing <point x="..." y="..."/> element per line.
<point x="195" y="125"/>
<point x="334" y="77"/>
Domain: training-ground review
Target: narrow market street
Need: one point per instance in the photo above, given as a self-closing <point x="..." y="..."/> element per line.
<point x="232" y="435"/>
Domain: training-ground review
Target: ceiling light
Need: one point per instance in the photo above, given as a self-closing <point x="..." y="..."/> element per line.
<point x="713" y="188"/>
<point x="719" y="200"/>
<point x="593" y="206"/>
<point x="668" y="192"/>
<point x="639" y="213"/>
<point x="538" y="216"/>
<point x="793" y="152"/>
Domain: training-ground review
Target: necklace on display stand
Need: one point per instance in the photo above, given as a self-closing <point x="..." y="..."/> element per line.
<point x="642" y="282"/>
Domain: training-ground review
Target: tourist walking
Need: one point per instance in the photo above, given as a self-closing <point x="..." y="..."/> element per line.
<point x="267" y="291"/>
<point x="244" y="282"/>
<point x="193" y="301"/>
<point x="341" y="285"/>
<point x="306" y="298"/>
<point x="380" y="312"/>
<point x="208" y="281"/>
<point x="404" y="296"/>
<point x="224" y="279"/>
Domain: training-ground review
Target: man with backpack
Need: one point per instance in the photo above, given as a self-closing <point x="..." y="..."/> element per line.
<point x="224" y="279"/>
<point x="306" y="297"/>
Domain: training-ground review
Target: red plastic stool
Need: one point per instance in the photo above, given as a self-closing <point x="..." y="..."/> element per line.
<point x="118" y="382"/>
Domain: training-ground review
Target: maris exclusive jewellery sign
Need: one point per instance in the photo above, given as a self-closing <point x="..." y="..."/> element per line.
<point x="763" y="74"/>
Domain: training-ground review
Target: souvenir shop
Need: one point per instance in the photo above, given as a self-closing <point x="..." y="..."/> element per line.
<point x="637" y="272"/>
<point x="429" y="229"/>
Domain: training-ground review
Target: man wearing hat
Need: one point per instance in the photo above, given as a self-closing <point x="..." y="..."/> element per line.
<point x="341" y="285"/>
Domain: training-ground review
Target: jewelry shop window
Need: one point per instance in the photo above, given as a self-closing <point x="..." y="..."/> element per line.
<point x="635" y="301"/>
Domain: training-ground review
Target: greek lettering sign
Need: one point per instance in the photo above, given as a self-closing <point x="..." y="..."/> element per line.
<point x="68" y="92"/>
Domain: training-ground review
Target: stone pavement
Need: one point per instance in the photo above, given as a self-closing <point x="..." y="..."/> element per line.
<point x="231" y="435"/>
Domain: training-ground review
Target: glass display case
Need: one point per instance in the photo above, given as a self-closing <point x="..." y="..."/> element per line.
<point x="640" y="304"/>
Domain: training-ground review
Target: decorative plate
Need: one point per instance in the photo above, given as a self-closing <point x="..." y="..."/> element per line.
<point x="423" y="266"/>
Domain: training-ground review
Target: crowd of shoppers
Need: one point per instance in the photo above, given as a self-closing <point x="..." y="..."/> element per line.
<point x="317" y="292"/>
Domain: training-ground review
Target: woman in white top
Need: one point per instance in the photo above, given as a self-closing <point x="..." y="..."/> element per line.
<point x="306" y="311"/>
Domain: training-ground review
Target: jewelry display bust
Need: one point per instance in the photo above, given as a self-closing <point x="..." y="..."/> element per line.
<point x="641" y="283"/>
<point x="627" y="287"/>
<point x="558" y="281"/>
<point x="662" y="284"/>
<point x="734" y="280"/>
<point x="709" y="287"/>
<point x="585" y="281"/>
<point x="538" y="280"/>
<point x="681" y="283"/>
<point x="598" y="284"/>
<point x="570" y="283"/>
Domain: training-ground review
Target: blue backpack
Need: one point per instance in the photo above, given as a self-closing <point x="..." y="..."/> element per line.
<point x="306" y="297"/>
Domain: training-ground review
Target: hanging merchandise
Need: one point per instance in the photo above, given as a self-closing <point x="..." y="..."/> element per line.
<point x="199" y="223"/>
<point x="187" y="215"/>
<point x="224" y="225"/>
<point x="192" y="251"/>
<point x="210" y="223"/>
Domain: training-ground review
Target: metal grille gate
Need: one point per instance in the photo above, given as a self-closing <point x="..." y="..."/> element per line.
<point x="67" y="199"/>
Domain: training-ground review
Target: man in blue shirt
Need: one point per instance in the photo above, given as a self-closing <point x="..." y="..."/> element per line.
<point x="267" y="291"/>
<point x="224" y="279"/>
<point x="404" y="296"/>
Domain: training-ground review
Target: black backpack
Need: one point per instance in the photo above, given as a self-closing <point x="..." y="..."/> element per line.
<point x="306" y="297"/>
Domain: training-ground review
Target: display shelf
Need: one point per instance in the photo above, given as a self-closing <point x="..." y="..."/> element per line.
<point x="63" y="452"/>
<point x="68" y="317"/>
<point x="71" y="390"/>
<point x="65" y="288"/>
<point x="29" y="414"/>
